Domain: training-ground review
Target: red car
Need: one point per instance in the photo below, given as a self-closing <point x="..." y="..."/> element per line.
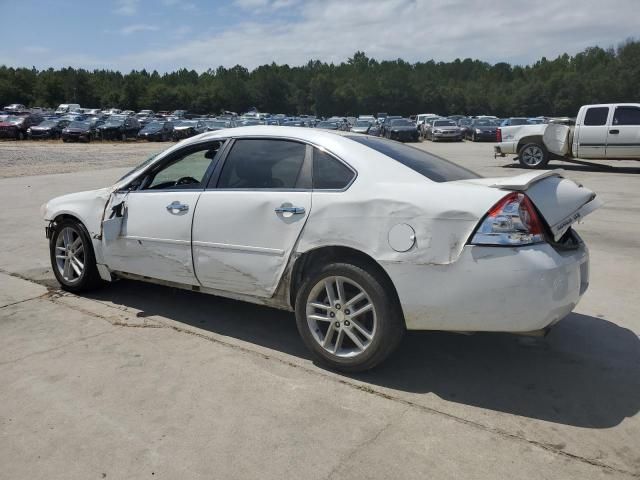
<point x="16" y="126"/>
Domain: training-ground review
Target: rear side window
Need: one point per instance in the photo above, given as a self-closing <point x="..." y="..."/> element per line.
<point x="329" y="173"/>
<point x="257" y="163"/>
<point x="431" y="166"/>
<point x="626" y="116"/>
<point x="596" y="116"/>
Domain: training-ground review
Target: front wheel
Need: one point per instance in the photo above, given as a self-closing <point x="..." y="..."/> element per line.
<point x="347" y="318"/>
<point x="533" y="155"/>
<point x="72" y="257"/>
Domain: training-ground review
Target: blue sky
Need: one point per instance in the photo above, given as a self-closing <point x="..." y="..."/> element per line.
<point x="169" y="34"/>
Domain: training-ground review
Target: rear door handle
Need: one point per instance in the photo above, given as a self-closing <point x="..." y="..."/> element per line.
<point x="293" y="210"/>
<point x="176" y="206"/>
<point x="614" y="132"/>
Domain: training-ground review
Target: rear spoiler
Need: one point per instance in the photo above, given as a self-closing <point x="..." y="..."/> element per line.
<point x="520" y="183"/>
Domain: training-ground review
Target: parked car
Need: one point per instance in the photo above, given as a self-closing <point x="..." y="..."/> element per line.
<point x="64" y="108"/>
<point x="325" y="125"/>
<point x="187" y="128"/>
<point x="386" y="121"/>
<point x="79" y="130"/>
<point x="464" y="124"/>
<point x="482" y="129"/>
<point x="426" y="124"/>
<point x="118" y="127"/>
<point x="608" y="131"/>
<point x="17" y="126"/>
<point x="401" y="129"/>
<point x="374" y="130"/>
<point x="305" y="234"/>
<point x="48" y="129"/>
<point x="420" y="119"/>
<point x="144" y="114"/>
<point x="160" y="131"/>
<point x="362" y="126"/>
<point x="15" y="107"/>
<point x="443" y="129"/>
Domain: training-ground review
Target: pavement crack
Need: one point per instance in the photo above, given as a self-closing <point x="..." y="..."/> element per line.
<point x="365" y="443"/>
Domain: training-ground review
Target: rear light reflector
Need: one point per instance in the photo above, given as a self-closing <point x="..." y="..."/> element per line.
<point x="512" y="221"/>
<point x="499" y="135"/>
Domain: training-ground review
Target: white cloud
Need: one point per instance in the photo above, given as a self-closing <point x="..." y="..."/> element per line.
<point x="126" y="7"/>
<point x="137" y="28"/>
<point x="515" y="31"/>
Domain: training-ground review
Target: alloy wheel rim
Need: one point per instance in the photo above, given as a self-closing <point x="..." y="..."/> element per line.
<point x="70" y="255"/>
<point x="532" y="156"/>
<point x="341" y="316"/>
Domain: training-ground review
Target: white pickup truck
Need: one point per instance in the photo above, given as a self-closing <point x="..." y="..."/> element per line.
<point x="601" y="132"/>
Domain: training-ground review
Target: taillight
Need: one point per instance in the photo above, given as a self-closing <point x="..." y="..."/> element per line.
<point x="512" y="221"/>
<point x="498" y="135"/>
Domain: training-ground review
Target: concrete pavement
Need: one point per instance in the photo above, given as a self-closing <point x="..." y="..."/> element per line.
<point x="145" y="381"/>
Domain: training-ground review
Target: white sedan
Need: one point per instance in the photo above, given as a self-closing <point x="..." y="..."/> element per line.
<point x="361" y="236"/>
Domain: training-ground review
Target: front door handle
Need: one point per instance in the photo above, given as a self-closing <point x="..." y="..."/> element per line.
<point x="176" y="206"/>
<point x="292" y="210"/>
<point x="614" y="132"/>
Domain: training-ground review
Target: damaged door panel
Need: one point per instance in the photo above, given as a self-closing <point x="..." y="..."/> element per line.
<point x="154" y="237"/>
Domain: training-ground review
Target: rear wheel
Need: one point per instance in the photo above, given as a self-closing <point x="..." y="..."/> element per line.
<point x="533" y="155"/>
<point x="123" y="137"/>
<point x="72" y="257"/>
<point x="346" y="317"/>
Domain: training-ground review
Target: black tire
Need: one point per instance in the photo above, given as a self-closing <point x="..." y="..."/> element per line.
<point x="123" y="137"/>
<point x="533" y="155"/>
<point x="20" y="135"/>
<point x="90" y="278"/>
<point x="473" y="137"/>
<point x="390" y="322"/>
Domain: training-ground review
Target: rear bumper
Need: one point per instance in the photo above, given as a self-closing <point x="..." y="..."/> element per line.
<point x="493" y="289"/>
<point x="505" y="148"/>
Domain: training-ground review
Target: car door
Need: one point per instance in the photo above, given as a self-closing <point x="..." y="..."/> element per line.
<point x="592" y="136"/>
<point x="249" y="219"/>
<point x="623" y="140"/>
<point x="154" y="237"/>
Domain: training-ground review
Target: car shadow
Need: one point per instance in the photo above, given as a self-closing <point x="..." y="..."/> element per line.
<point x="573" y="167"/>
<point x="584" y="373"/>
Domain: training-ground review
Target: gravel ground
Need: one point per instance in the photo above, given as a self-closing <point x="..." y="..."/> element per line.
<point x="19" y="159"/>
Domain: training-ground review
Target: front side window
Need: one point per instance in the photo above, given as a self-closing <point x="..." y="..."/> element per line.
<point x="626" y="116"/>
<point x="261" y="163"/>
<point x="596" y="116"/>
<point x="185" y="172"/>
<point x="329" y="173"/>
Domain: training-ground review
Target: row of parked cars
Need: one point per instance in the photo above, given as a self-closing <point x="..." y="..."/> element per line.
<point x="69" y="122"/>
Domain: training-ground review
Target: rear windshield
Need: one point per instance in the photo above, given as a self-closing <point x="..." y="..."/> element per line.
<point x="431" y="166"/>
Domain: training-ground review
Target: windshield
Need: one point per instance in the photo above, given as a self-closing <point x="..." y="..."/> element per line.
<point x="218" y="123"/>
<point x="185" y="123"/>
<point x="139" y="167"/>
<point x="14" y="119"/>
<point x="444" y="123"/>
<point x="431" y="166"/>
<point x="78" y="125"/>
<point x="327" y="125"/>
<point x="484" y="122"/>
<point x="115" y="121"/>
<point x="48" y="123"/>
<point x="401" y="123"/>
<point x="518" y="121"/>
<point x="153" y="126"/>
<point x="363" y="123"/>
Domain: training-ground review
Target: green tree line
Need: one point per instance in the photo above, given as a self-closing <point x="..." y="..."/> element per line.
<point x="361" y="85"/>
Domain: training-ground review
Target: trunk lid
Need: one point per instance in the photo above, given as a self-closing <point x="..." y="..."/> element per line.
<point x="559" y="200"/>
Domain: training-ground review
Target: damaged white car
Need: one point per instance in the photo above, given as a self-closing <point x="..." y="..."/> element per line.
<point x="361" y="236"/>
